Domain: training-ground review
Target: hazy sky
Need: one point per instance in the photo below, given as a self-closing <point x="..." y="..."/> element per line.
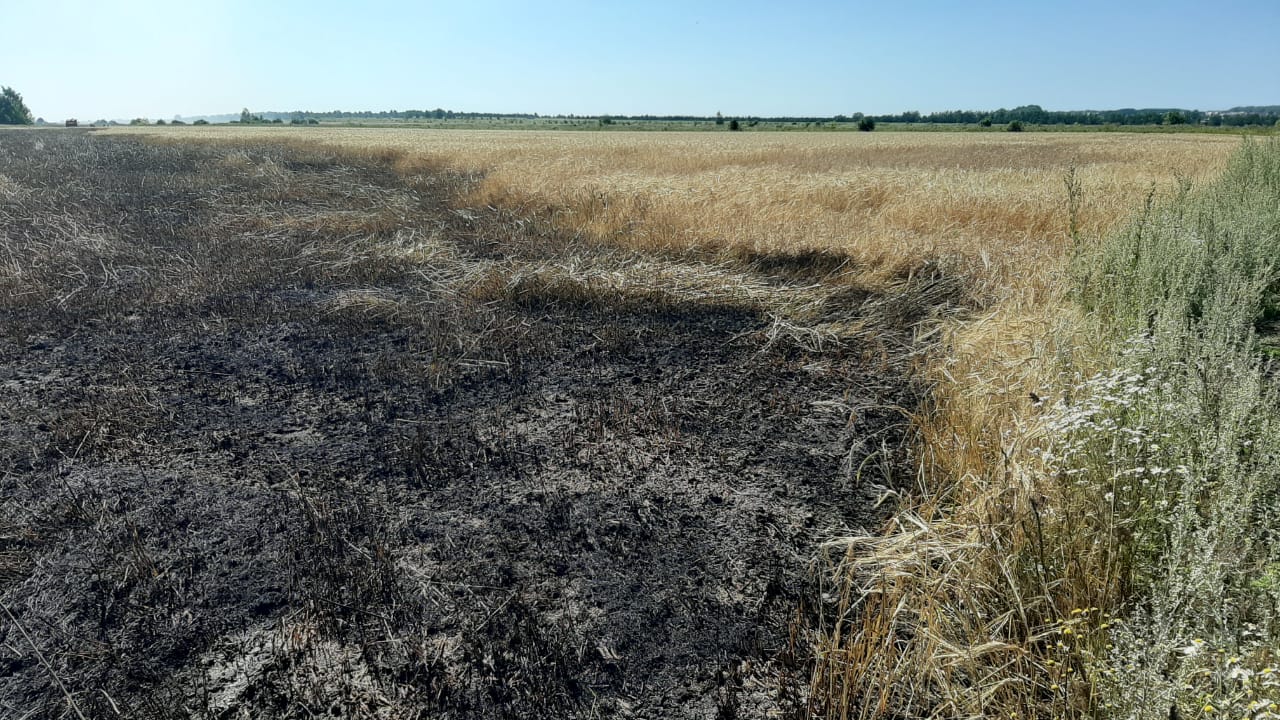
<point x="160" y="58"/>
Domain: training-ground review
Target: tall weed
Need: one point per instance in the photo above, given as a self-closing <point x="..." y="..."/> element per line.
<point x="1188" y="461"/>
<point x="1114" y="550"/>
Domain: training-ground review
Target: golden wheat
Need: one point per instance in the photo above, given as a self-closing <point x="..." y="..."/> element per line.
<point x="995" y="204"/>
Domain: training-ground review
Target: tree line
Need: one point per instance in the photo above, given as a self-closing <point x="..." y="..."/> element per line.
<point x="13" y="111"/>
<point x="1026" y="114"/>
<point x="1034" y="114"/>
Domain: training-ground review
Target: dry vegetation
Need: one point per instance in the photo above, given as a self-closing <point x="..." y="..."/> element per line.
<point x="285" y="435"/>
<point x="964" y="239"/>
<point x="994" y="203"/>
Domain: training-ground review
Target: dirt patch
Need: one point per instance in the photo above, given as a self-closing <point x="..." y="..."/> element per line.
<point x="261" y="463"/>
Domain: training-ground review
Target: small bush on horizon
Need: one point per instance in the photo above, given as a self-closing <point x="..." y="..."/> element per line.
<point x="1015" y="126"/>
<point x="866" y="124"/>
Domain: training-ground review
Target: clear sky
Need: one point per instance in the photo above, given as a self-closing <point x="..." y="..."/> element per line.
<point x="159" y="58"/>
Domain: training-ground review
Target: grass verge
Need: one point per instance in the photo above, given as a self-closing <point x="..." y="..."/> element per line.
<point x="1112" y="553"/>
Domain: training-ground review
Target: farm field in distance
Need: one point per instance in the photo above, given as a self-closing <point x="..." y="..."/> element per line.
<point x="887" y="200"/>
<point x="315" y="422"/>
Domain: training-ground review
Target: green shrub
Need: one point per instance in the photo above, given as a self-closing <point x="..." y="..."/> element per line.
<point x="1015" y="126"/>
<point x="866" y="124"/>
<point x="13" y="111"/>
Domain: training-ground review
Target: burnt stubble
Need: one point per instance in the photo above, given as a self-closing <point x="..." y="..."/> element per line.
<point x="284" y="435"/>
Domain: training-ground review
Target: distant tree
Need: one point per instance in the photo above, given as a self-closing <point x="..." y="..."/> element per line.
<point x="719" y="119"/>
<point x="1028" y="113"/>
<point x="176" y="122"/>
<point x="139" y="121"/>
<point x="13" y="111"/>
<point x="734" y="125"/>
<point x="201" y="121"/>
<point x="985" y="122"/>
<point x="1015" y="126"/>
<point x="249" y="118"/>
<point x="866" y="124"/>
<point x="1173" y="117"/>
<point x="161" y="122"/>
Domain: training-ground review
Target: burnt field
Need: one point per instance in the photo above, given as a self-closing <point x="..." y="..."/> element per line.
<point x="284" y="433"/>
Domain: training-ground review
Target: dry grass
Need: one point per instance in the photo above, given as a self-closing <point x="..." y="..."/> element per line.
<point x="990" y="210"/>
<point x="993" y="204"/>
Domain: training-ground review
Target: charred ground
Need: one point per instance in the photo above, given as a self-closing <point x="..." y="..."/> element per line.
<point x="283" y="435"/>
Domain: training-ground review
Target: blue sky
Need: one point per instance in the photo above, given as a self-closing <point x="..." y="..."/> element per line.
<point x="160" y="58"/>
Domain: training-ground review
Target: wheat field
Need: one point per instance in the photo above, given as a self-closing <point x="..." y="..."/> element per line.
<point x="992" y="210"/>
<point x="994" y="205"/>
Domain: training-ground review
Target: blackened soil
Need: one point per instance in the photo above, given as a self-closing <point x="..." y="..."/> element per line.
<point x="255" y="463"/>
